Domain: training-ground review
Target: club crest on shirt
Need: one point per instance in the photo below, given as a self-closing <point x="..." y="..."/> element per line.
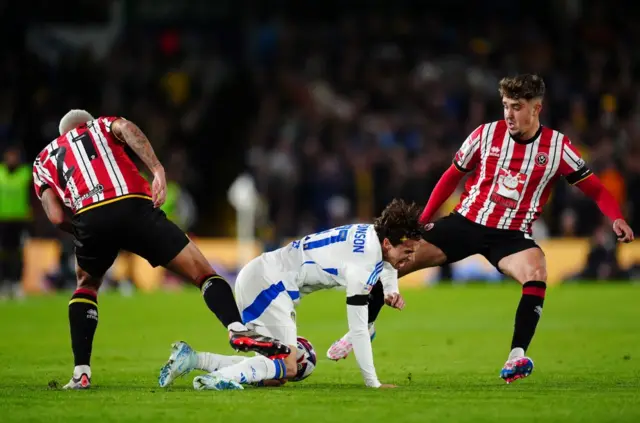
<point x="542" y="159"/>
<point x="428" y="226"/>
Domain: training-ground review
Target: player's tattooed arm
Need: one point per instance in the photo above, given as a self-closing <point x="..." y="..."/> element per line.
<point x="55" y="211"/>
<point x="136" y="139"/>
<point x="139" y="143"/>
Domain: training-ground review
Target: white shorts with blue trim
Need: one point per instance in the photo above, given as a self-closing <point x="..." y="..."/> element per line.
<point x="266" y="305"/>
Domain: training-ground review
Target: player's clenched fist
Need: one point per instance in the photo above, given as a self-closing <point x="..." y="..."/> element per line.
<point x="623" y="231"/>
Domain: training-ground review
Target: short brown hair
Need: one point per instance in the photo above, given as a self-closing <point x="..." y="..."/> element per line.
<point x="526" y="86"/>
<point x="399" y="222"/>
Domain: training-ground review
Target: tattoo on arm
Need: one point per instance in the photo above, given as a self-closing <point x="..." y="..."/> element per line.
<point x="137" y="140"/>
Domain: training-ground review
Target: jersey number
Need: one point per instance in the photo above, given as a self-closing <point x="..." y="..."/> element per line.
<point x="87" y="144"/>
<point x="59" y="155"/>
<point x="340" y="235"/>
<point x="61" y="152"/>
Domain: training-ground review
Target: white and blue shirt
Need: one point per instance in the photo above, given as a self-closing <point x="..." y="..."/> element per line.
<point x="348" y="257"/>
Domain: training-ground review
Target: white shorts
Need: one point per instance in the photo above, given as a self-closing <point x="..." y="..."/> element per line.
<point x="264" y="301"/>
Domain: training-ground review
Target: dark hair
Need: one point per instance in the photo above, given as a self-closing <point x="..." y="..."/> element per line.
<point x="526" y="86"/>
<point x="399" y="222"/>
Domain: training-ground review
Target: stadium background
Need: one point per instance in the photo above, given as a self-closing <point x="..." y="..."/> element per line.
<point x="332" y="107"/>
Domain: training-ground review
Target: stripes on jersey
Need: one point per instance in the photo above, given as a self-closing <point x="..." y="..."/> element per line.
<point x="115" y="175"/>
<point x="571" y="158"/>
<point x="467" y="150"/>
<point x="506" y="152"/>
<point x="512" y="181"/>
<point x="373" y="278"/>
<point x="487" y="135"/>
<point x="330" y="270"/>
<point x="87" y="166"/>
<point x="535" y="206"/>
<point x="527" y="168"/>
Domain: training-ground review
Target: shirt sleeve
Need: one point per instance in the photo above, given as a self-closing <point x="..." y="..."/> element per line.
<point x="468" y="155"/>
<point x="360" y="281"/>
<point x="389" y="279"/>
<point x="572" y="165"/>
<point x="107" y="121"/>
<point x="41" y="178"/>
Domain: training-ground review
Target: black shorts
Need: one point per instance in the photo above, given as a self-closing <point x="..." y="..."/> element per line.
<point x="130" y="224"/>
<point x="459" y="238"/>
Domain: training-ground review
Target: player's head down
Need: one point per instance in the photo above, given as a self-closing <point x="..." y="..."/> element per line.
<point x="399" y="231"/>
<point x="522" y="102"/>
<point x="72" y="119"/>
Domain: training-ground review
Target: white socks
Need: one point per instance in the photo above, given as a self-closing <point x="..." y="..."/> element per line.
<point x="79" y="370"/>
<point x="516" y="353"/>
<point x="372" y="330"/>
<point x="237" y="327"/>
<point x="210" y="362"/>
<point x="254" y="369"/>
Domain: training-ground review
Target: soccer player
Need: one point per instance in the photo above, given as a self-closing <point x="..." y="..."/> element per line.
<point x="270" y="286"/>
<point x="113" y="207"/>
<point x="512" y="164"/>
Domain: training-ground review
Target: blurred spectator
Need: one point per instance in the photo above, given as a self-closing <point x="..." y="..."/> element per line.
<point x="15" y="216"/>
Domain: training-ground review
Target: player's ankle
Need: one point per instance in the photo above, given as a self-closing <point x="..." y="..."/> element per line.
<point x="516" y="353"/>
<point x="82" y="369"/>
<point x="237" y="327"/>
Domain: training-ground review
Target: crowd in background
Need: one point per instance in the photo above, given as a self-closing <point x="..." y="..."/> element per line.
<point x="335" y="114"/>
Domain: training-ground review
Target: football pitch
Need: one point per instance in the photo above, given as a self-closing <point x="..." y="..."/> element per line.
<point x="444" y="350"/>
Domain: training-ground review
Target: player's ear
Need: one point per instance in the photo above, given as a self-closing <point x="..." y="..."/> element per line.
<point x="537" y="107"/>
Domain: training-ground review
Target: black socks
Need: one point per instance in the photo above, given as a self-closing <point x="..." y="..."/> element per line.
<point x="83" y="321"/>
<point x="528" y="313"/>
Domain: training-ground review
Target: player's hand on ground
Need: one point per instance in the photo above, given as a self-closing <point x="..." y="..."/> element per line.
<point x="394" y="300"/>
<point x="159" y="187"/>
<point x="623" y="230"/>
<point x="387" y="386"/>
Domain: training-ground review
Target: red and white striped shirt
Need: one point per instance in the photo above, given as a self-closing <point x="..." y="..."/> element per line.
<point x="512" y="180"/>
<point x="88" y="166"/>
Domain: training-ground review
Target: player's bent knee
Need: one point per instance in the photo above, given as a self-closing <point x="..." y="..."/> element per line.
<point x="537" y="273"/>
<point x="190" y="263"/>
<point x="86" y="281"/>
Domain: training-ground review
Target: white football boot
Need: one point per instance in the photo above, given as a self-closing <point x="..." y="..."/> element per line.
<point x="183" y="359"/>
<point x="343" y="346"/>
<point x="81" y="378"/>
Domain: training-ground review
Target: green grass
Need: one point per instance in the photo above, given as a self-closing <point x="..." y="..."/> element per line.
<point x="444" y="351"/>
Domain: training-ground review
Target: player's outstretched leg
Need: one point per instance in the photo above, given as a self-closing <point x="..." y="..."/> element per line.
<point x="529" y="268"/>
<point x="83" y="322"/>
<point x="217" y="294"/>
<point x="184" y="359"/>
<point x="250" y="371"/>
